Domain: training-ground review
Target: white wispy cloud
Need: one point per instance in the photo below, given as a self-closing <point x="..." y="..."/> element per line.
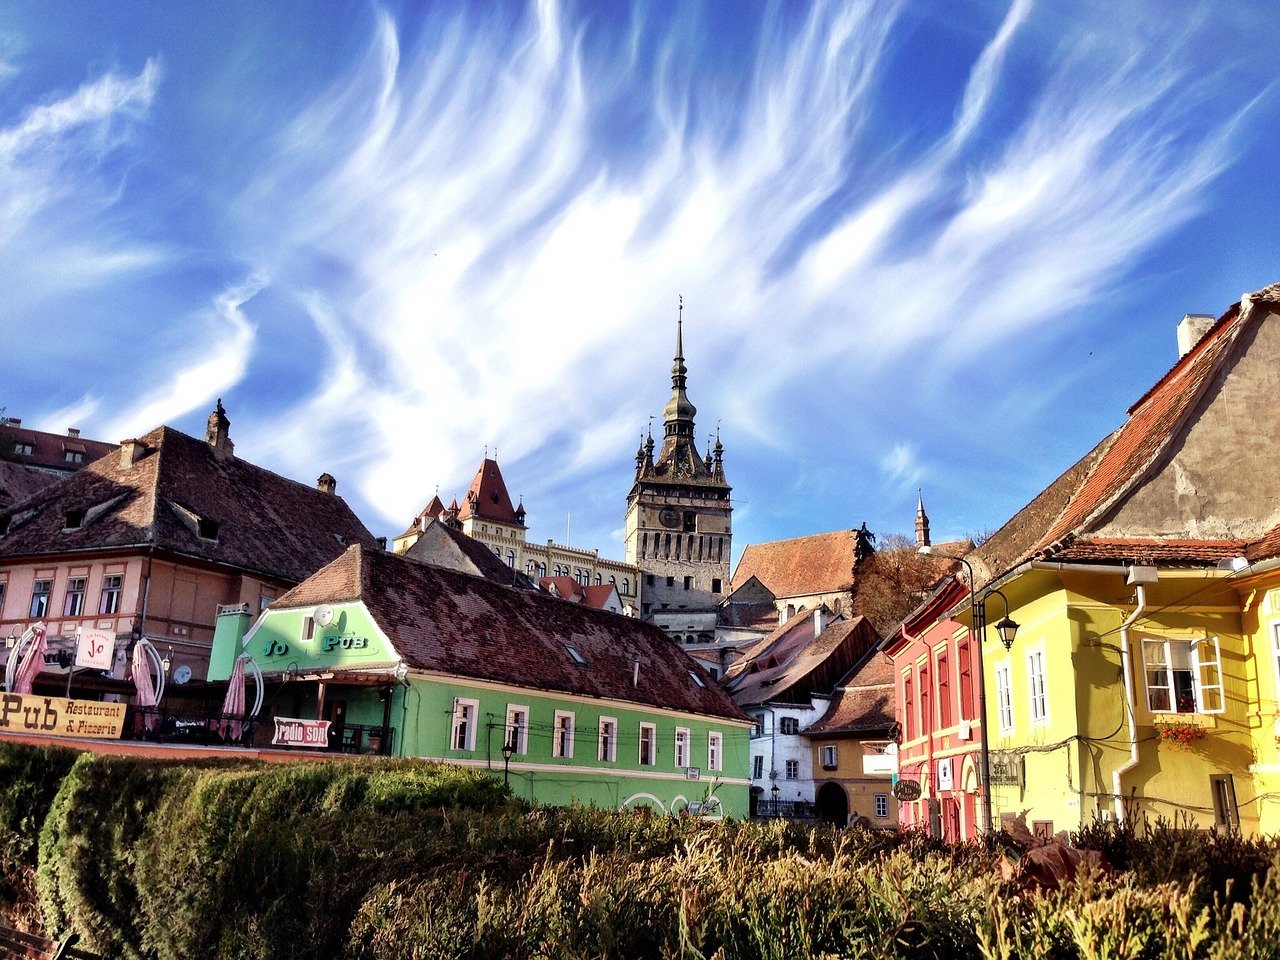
<point x="514" y="279"/>
<point x="901" y="468"/>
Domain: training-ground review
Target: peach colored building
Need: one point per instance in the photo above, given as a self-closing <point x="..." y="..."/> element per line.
<point x="151" y="539"/>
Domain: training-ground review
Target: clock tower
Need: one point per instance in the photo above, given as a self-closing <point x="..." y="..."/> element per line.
<point x="678" y="529"/>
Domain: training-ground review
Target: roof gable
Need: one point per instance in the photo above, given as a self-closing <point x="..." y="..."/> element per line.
<point x="803" y="566"/>
<point x="487" y="498"/>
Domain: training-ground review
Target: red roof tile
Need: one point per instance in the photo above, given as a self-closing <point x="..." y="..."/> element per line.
<point x="49" y="450"/>
<point x="863" y="703"/>
<point x="791" y="664"/>
<point x="487" y="497"/>
<point x="800" y="567"/>
<point x="449" y="622"/>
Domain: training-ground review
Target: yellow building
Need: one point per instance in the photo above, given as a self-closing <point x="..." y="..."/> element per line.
<point x="1144" y="680"/>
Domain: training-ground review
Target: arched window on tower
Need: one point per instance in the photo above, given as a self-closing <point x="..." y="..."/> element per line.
<point x="599" y="580"/>
<point x="511" y="559"/>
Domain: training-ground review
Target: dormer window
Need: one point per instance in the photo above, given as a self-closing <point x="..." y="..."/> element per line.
<point x="696" y="679"/>
<point x="73" y="456"/>
<point x="24" y="449"/>
<point x="73" y="520"/>
<point x="340" y="538"/>
<point x="574" y="655"/>
<point x="207" y="529"/>
<point x="4" y="525"/>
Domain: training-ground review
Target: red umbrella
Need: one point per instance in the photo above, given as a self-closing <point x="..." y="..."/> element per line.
<point x="145" y="695"/>
<point x="32" y="662"/>
<point x="233" y="705"/>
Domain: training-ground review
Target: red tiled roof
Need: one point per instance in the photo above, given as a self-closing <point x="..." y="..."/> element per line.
<point x="1265" y="547"/>
<point x="1055" y="524"/>
<point x="49" y="450"/>
<point x="597" y="595"/>
<point x="863" y="703"/>
<point x="445" y="621"/>
<point x="487" y="497"/>
<point x="265" y="523"/>
<point x="791" y="664"/>
<point x="443" y="546"/>
<point x="17" y="482"/>
<point x="566" y="588"/>
<point x="800" y="567"/>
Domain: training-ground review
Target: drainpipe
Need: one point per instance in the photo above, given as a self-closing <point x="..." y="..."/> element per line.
<point x="1126" y="663"/>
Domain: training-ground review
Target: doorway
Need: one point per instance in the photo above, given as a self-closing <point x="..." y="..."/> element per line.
<point x="833" y="804"/>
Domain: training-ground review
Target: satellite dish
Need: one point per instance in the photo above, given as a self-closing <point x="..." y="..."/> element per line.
<point x="323" y="616"/>
<point x="182" y="675"/>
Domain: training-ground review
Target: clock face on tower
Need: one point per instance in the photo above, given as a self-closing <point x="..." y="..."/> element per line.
<point x="669" y="518"/>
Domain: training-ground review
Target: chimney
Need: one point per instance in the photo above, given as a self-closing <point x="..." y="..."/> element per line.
<point x="819" y="620"/>
<point x="73" y="431"/>
<point x="131" y="452"/>
<point x="217" y="433"/>
<point x="326" y="484"/>
<point x="1191" y="328"/>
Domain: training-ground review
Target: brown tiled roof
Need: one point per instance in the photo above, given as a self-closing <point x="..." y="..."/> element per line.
<point x="803" y="566"/>
<point x="443" y="546"/>
<point x="444" y="621"/>
<point x="1055" y="524"/>
<point x="1148" y="550"/>
<point x="863" y="703"/>
<point x="17" y="482"/>
<point x="1265" y="547"/>
<point x="791" y="664"/>
<point x="49" y="449"/>
<point x="566" y="588"/>
<point x="748" y="616"/>
<point x="597" y="595"/>
<point x="488" y="498"/>
<point x="265" y="523"/>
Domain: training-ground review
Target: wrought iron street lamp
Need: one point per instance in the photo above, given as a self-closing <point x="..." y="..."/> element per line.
<point x="508" y="748"/>
<point x="775" y="801"/>
<point x="1007" y="629"/>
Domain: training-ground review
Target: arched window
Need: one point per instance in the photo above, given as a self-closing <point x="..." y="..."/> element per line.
<point x="599" y="580"/>
<point x="614" y="581"/>
<point x="511" y="559"/>
<point x="626" y="584"/>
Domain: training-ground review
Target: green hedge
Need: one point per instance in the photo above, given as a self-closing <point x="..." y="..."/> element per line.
<point x="377" y="859"/>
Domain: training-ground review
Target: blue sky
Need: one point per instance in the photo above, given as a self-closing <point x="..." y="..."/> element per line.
<point x="938" y="245"/>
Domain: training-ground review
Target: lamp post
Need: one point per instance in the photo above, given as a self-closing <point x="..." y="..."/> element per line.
<point x="1007" y="630"/>
<point x="508" y="748"/>
<point x="775" y="801"/>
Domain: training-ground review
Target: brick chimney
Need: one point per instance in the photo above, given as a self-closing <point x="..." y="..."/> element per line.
<point x="73" y="431"/>
<point x="131" y="452"/>
<point x="326" y="484"/>
<point x="217" y="433"/>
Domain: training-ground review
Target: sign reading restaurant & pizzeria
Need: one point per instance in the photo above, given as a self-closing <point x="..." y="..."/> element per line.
<point x="60" y="717"/>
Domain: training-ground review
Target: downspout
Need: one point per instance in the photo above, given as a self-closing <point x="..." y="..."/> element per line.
<point x="1127" y="666"/>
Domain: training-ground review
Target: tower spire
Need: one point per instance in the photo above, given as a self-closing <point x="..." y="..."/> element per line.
<point x="922" y="522"/>
<point x="679" y="412"/>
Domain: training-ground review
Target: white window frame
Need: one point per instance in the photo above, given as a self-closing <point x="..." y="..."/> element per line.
<point x="757" y="767"/>
<point x="715" y="750"/>
<point x="785" y="725"/>
<point x="1275" y="656"/>
<point x="466" y="715"/>
<point x="830" y="757"/>
<point x="882" y="806"/>
<point x="1004" y="697"/>
<point x="648" y="733"/>
<point x="1203" y="654"/>
<point x="791" y="770"/>
<point x="1037" y="687"/>
<point x="308" y="629"/>
<point x="562" y="747"/>
<point x="517" y="724"/>
<point x="682" y="745"/>
<point x="607" y="750"/>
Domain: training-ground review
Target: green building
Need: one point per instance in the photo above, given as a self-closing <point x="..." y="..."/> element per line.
<point x="409" y="659"/>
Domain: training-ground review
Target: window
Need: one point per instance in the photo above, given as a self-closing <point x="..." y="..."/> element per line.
<point x="688" y="583"/>
<point x="1036" y="695"/>
<point x="464" y="724"/>
<point x="758" y="729"/>
<point x="207" y="529"/>
<point x="574" y="655"/>
<point x="3" y="586"/>
<point x="40" y="591"/>
<point x="109" y="602"/>
<point x="696" y="679"/>
<point x="644" y="609"/>
<point x="626" y="584"/>
<point x="600" y="580"/>
<point x="517" y="734"/>
<point x="562" y="745"/>
<point x="1183" y="676"/>
<point x="25" y="449"/>
<point x="648" y="744"/>
<point x="789" y="725"/>
<point x="608" y="748"/>
<point x="715" y="751"/>
<point x="682" y="747"/>
<point x="757" y="768"/>
<point x="73" y="605"/>
<point x="511" y="559"/>
<point x="73" y="456"/>
<point x="73" y="520"/>
<point x="966" y="680"/>
<point x="648" y="579"/>
<point x="715" y="584"/>
<point x="308" y="628"/>
<point x="1004" y="698"/>
<point x="1226" y="816"/>
<point x="944" y="690"/>
<point x="830" y="757"/>
<point x="882" y="806"/>
<point x="908" y="707"/>
<point x="1042" y="829"/>
<point x="793" y="769"/>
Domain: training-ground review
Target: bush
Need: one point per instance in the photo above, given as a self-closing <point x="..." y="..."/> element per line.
<point x="29" y="780"/>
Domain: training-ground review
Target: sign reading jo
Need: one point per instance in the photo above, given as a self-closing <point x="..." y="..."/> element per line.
<point x="95" y="649"/>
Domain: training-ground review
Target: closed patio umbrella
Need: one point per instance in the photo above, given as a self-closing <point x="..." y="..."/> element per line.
<point x="32" y="661"/>
<point x="233" y="705"/>
<point x="145" y="691"/>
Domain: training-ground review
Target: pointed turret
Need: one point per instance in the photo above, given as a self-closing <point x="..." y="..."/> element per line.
<point x="678" y="414"/>
<point x="922" y="523"/>
<point x="217" y="432"/>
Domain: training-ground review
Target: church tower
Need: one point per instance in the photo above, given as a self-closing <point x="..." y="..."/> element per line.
<point x="678" y="524"/>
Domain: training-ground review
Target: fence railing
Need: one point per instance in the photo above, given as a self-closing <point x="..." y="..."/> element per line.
<point x="163" y="724"/>
<point x="786" y="809"/>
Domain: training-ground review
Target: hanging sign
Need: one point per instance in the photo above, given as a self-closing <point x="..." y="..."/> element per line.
<point x="907" y="790"/>
<point x="1007" y="769"/>
<point x="292" y="732"/>
<point x="60" y="717"/>
<point x="945" y="779"/>
<point x="95" y="649"/>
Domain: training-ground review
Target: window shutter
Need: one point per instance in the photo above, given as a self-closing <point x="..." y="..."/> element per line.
<point x="1208" y="660"/>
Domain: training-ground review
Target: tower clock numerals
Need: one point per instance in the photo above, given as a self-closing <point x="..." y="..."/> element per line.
<point x="669" y="518"/>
